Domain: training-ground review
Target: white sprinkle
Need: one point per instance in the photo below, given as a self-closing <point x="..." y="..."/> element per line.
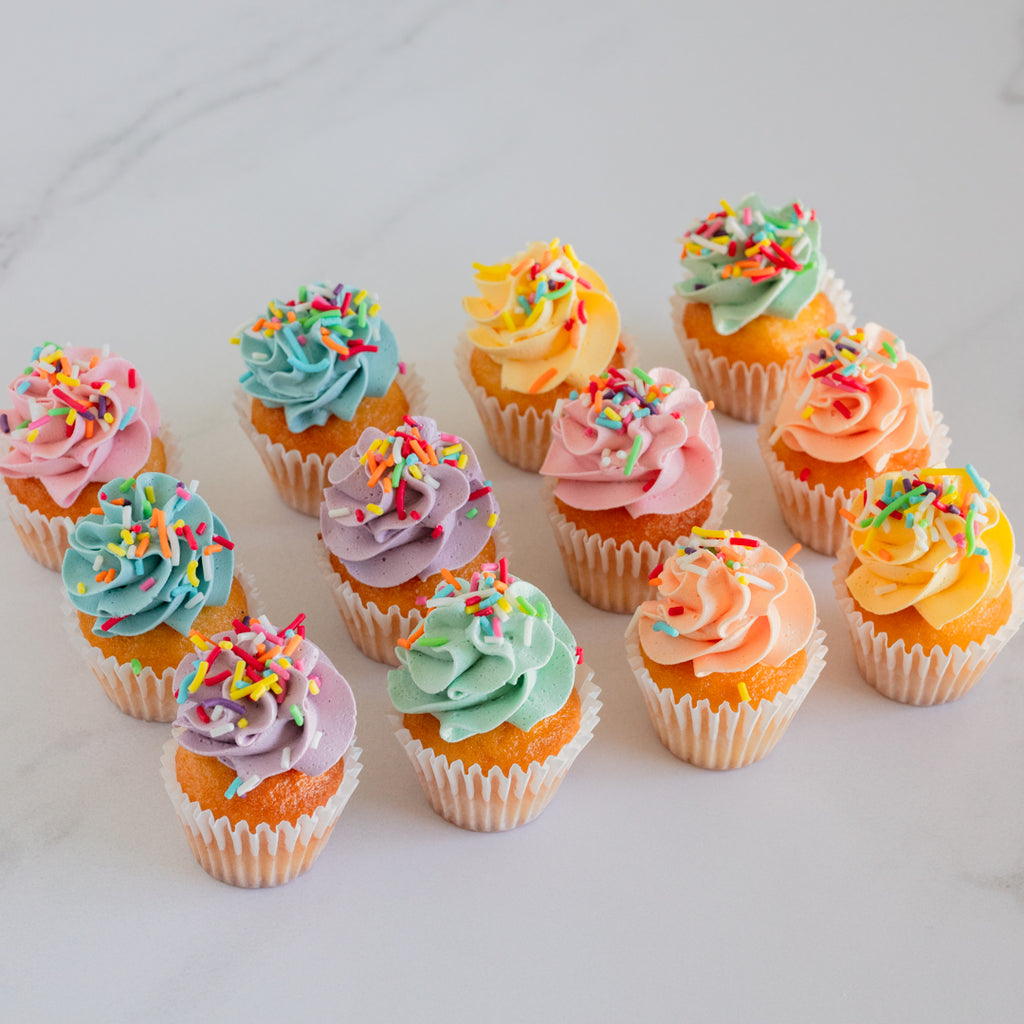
<point x="286" y="757"/>
<point x="250" y="783"/>
<point x="126" y="516"/>
<point x="195" y="599"/>
<point x="337" y="513"/>
<point x="528" y="631"/>
<point x="98" y="564"/>
<point x="316" y="740"/>
<point x="223" y="727"/>
<point x="217" y="712"/>
<point x="193" y="486"/>
<point x="758" y="582"/>
<point x="430" y="481"/>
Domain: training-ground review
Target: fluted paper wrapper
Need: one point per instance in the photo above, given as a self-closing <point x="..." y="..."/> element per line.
<point x="495" y="802"/>
<point x="301" y="481"/>
<point x="261" y="857"/>
<point x="726" y="738"/>
<point x="813" y="515"/>
<point x="146" y="696"/>
<point x="611" y="575"/>
<point x="374" y="631"/>
<point x="742" y="390"/>
<point x="46" y="539"/>
<point x="920" y="677"/>
<point x="519" y="436"/>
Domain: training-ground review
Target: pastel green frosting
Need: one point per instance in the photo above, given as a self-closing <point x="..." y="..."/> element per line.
<point x="97" y="545"/>
<point x="736" y="301"/>
<point x="473" y="682"/>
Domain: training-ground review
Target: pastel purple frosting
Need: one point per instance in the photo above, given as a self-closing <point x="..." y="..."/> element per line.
<point x="679" y="453"/>
<point x="424" y="524"/>
<point x="271" y="741"/>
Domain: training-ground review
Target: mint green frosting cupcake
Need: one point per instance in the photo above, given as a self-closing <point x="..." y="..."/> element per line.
<point x="513" y="659"/>
<point x="753" y="259"/>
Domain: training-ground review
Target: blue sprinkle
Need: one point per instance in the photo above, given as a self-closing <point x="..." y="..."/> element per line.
<point x="233" y="788"/>
<point x="23" y="387"/>
<point x="245" y="376"/>
<point x="127" y="418"/>
<point x="664" y="627"/>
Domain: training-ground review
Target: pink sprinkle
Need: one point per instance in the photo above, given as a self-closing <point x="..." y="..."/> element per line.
<point x="496" y="626"/>
<point x="747" y="217"/>
<point x="401" y="367"/>
<point x="421" y="600"/>
<point x="201" y="528"/>
<point x="147" y="584"/>
<point x="182" y="493"/>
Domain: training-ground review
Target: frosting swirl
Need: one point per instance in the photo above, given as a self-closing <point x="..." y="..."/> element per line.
<point x="545" y="317"/>
<point x="727" y="602"/>
<point x="645" y="442"/>
<point x="264" y="701"/>
<point x="855" y="396"/>
<point x="937" y="540"/>
<point x="79" y="416"/>
<point x="153" y="553"/>
<point x="406" y="503"/>
<point x="753" y="260"/>
<point x="319" y="355"/>
<point x="512" y="659"/>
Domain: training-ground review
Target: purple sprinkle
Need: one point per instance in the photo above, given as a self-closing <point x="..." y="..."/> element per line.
<point x="3" y="423"/>
<point x="103" y="405"/>
<point x="337" y="290"/>
<point x="231" y="705"/>
<point x="302" y="339"/>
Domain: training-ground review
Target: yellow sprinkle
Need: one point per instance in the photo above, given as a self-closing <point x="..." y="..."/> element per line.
<point x="273" y="309"/>
<point x="742" y="579"/>
<point x="81" y="588"/>
<point x="744" y="692"/>
<point x="374" y="309"/>
<point x="71" y="417"/>
<point x="117" y="549"/>
<point x="808" y="412"/>
<point x="150" y="496"/>
<point x="200" y="676"/>
<point x="199" y="642"/>
<point x="104" y="388"/>
<point x="375" y="509"/>
<point x="492" y="519"/>
<point x="415" y="470"/>
<point x="235" y="341"/>
<point x="568" y="250"/>
<point x="257" y="690"/>
<point x="492" y="272"/>
<point x="242" y="723"/>
<point x="239" y="672"/>
<point x="536" y="312"/>
<point x="108" y="417"/>
<point x="612" y="414"/>
<point x="359" y="298"/>
<point x="452" y="449"/>
<point x="507" y="317"/>
<point x="462" y="461"/>
<point x="728" y="209"/>
<point x="224" y="645"/>
<point x="504" y="605"/>
<point x="190" y="572"/>
<point x="32" y="436"/>
<point x="313" y="688"/>
<point x="701" y="532"/>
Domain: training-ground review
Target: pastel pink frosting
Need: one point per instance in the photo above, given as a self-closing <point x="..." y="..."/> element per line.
<point x="887" y="401"/>
<point x="60" y="455"/>
<point x="727" y="608"/>
<point x="678" y="460"/>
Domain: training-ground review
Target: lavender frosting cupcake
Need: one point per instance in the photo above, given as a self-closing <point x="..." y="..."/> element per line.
<point x="404" y="511"/>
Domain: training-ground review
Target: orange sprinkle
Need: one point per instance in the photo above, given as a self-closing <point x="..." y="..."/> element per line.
<point x="95" y="511"/>
<point x="431" y="455"/>
<point x="848" y="516"/>
<point x="710" y="404"/>
<point x="88" y="428"/>
<point x="449" y="578"/>
<point x="140" y="550"/>
<point x="94" y="362"/>
<point x="210" y="549"/>
<point x="792" y="552"/>
<point x="289" y="647"/>
<point x="418" y="449"/>
<point x="542" y="380"/>
<point x="884" y="555"/>
<point x="378" y="472"/>
<point x="620" y="346"/>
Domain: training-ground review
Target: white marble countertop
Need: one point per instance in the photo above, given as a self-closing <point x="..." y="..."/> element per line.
<point x="168" y="168"/>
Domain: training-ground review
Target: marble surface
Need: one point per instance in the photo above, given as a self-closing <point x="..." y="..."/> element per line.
<point x="168" y="168"/>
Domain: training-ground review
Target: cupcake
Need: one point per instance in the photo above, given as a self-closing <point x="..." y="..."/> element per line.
<point x="320" y="369"/>
<point x="144" y="571"/>
<point x="758" y="290"/>
<point x="404" y="508"/>
<point x="854" y="405"/>
<point x="78" y="418"/>
<point x="727" y="651"/>
<point x="495" y="701"/>
<point x="542" y="326"/>
<point x="261" y="763"/>
<point x="636" y="462"/>
<point x="929" y="583"/>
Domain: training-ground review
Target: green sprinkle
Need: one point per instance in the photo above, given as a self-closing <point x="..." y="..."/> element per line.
<point x="472" y="513"/>
<point x="136" y="666"/>
<point x="296" y="713"/>
<point x="634" y="454"/>
<point x="890" y="351"/>
<point x="525" y="606"/>
<point x="969" y="529"/>
<point x="63" y="411"/>
<point x="643" y="376"/>
<point x="127" y="485"/>
<point x="432" y="641"/>
<point x="302" y="294"/>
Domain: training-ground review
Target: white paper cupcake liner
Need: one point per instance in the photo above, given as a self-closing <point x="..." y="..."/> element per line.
<point x="46" y="539"/>
<point x="374" y="631"/>
<point x="519" y="437"/>
<point x="742" y="390"/>
<point x="917" y="676"/>
<point x="812" y="514"/>
<point x="726" y="738"/>
<point x="495" y="802"/>
<point x="146" y="696"/>
<point x="301" y="481"/>
<point x="614" y="576"/>
<point x="264" y="856"/>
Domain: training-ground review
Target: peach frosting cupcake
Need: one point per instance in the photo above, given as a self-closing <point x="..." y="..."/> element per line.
<point x="727" y="651"/>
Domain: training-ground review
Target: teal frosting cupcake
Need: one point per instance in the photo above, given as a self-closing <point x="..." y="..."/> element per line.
<point x="154" y="553"/>
<point x="492" y="650"/>
<point x="319" y="355"/>
<point x="753" y="259"/>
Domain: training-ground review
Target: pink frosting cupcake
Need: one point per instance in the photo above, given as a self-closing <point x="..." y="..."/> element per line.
<point x="78" y="418"/>
<point x="637" y="461"/>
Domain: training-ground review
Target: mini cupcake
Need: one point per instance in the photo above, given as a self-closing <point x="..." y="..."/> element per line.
<point x="79" y="417"/>
<point x="262" y="762"/>
<point x="403" y="508"/>
<point x="495" y="700"/>
<point x="637" y="462"/>
<point x="854" y="405"/>
<point x="929" y="583"/>
<point x="320" y="369"/>
<point x="142" y="572"/>
<point x="727" y="651"/>
<point x="542" y="326"/>
<point x="758" y="291"/>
